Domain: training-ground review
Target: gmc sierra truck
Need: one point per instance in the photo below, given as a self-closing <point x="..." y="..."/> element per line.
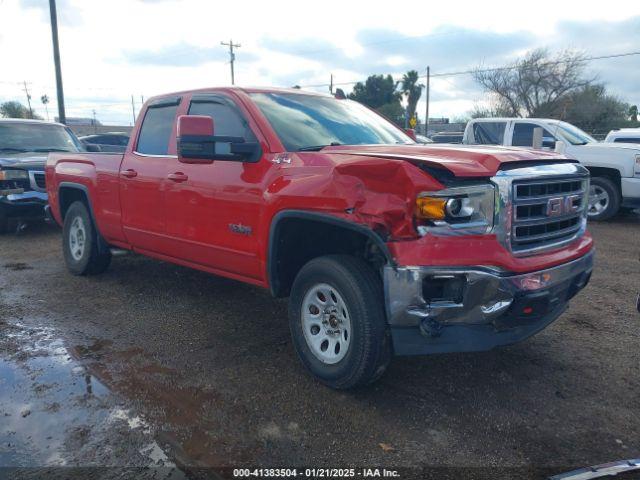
<point x="382" y="245"/>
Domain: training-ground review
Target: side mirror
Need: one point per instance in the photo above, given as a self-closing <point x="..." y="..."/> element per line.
<point x="92" y="147"/>
<point x="560" y="147"/>
<point x="198" y="144"/>
<point x="411" y="133"/>
<point x="549" y="142"/>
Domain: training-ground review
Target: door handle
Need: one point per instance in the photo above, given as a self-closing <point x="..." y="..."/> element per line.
<point x="177" y="177"/>
<point x="129" y="173"/>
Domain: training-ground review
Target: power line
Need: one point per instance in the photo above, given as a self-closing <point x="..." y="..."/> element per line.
<point x="486" y="70"/>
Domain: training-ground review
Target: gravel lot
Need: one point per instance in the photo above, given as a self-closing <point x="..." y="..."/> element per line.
<point x="154" y="364"/>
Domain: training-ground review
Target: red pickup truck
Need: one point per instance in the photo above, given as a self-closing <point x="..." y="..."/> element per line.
<point x="383" y="246"/>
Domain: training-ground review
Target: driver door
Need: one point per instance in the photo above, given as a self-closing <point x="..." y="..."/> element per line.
<point x="212" y="209"/>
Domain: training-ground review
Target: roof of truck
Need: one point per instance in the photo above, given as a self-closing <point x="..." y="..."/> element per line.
<point x="28" y="120"/>
<point x="245" y="90"/>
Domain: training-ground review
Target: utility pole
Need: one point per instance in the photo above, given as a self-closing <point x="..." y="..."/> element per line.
<point x="133" y="109"/>
<point x="26" y="90"/>
<point x="331" y="85"/>
<point x="95" y="122"/>
<point x="232" y="56"/>
<point x="62" y="118"/>
<point x="426" y="114"/>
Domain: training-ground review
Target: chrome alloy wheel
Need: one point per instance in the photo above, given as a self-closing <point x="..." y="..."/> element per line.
<point x="77" y="238"/>
<point x="326" y="323"/>
<point x="598" y="200"/>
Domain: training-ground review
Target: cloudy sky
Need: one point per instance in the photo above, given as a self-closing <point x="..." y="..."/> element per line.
<point x="114" y="49"/>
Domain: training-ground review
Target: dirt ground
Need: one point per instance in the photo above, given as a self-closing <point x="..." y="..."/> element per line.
<point x="155" y="365"/>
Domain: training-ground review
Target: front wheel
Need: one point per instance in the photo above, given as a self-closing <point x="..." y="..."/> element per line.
<point x="80" y="243"/>
<point x="337" y="321"/>
<point x="604" y="199"/>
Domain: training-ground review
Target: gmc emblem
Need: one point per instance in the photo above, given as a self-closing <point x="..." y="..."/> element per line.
<point x="563" y="205"/>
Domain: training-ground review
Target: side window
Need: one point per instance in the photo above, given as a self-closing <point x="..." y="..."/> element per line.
<point x="489" y="133"/>
<point x="523" y="135"/>
<point x="226" y="120"/>
<point x="156" y="130"/>
<point x="123" y="141"/>
<point x="627" y="140"/>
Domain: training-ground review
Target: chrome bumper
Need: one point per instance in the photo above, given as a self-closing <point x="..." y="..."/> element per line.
<point x="485" y="295"/>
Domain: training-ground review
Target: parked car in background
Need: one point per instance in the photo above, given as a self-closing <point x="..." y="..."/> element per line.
<point x="447" y="137"/>
<point x="382" y="246"/>
<point x="614" y="168"/>
<point x="422" y="140"/>
<point x="24" y="146"/>
<point x="108" y="142"/>
<point x="623" y="135"/>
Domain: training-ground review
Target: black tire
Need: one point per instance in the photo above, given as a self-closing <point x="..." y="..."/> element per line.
<point x="612" y="202"/>
<point x="90" y="261"/>
<point x="369" y="350"/>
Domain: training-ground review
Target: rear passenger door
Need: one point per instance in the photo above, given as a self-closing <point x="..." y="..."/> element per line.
<point x="142" y="176"/>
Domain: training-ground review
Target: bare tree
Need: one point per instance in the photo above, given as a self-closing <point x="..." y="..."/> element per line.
<point x="537" y="84"/>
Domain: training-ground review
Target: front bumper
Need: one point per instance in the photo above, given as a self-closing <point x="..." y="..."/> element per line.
<point x="29" y="204"/>
<point x="455" y="309"/>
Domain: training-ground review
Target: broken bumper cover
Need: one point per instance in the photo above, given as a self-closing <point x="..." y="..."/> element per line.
<point x="458" y="309"/>
<point x="25" y="204"/>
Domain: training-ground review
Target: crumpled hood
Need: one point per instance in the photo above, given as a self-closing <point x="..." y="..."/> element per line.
<point x="27" y="160"/>
<point x="461" y="160"/>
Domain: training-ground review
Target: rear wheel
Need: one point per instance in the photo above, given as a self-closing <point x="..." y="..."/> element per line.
<point x="337" y="321"/>
<point x="80" y="243"/>
<point x="604" y="199"/>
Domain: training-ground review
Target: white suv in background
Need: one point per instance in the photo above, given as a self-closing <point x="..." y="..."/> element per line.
<point x="614" y="167"/>
<point x="623" y="135"/>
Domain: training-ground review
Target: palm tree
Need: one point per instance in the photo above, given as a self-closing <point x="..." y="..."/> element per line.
<point x="412" y="90"/>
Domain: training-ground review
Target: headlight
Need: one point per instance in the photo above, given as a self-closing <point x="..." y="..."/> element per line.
<point x="13" y="175"/>
<point x="458" y="210"/>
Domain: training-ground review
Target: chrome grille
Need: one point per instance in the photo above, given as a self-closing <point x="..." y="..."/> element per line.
<point x="37" y="181"/>
<point x="547" y="212"/>
<point x="39" y="178"/>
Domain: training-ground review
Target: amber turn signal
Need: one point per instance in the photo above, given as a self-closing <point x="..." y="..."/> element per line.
<point x="430" y="208"/>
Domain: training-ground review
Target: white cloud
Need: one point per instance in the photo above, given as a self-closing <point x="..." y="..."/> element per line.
<point x="112" y="50"/>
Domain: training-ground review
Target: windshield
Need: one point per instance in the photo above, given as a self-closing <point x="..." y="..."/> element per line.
<point x="36" y="137"/>
<point x="572" y="134"/>
<point x="310" y="122"/>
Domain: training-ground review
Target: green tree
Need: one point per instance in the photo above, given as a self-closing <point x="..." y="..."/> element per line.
<point x="15" y="110"/>
<point x="633" y="113"/>
<point x="380" y="92"/>
<point x="593" y="109"/>
<point x="412" y="91"/>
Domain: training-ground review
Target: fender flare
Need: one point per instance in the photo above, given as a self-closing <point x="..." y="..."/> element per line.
<point x="276" y="222"/>
<point x="103" y="246"/>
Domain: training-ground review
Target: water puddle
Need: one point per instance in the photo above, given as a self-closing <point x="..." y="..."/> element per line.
<point x="54" y="412"/>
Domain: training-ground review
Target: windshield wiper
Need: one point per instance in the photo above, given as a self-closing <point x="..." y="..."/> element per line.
<point x="40" y="150"/>
<point x="11" y="149"/>
<point x="317" y="148"/>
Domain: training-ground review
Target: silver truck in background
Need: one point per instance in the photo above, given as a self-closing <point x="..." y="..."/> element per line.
<point x="614" y="168"/>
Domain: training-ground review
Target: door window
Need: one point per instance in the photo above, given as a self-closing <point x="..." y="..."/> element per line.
<point x="523" y="135"/>
<point x="227" y="121"/>
<point x="489" y="133"/>
<point x="156" y="129"/>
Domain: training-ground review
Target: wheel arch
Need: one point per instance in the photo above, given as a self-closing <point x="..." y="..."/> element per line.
<point x="288" y="226"/>
<point x="610" y="173"/>
<point x="69" y="192"/>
